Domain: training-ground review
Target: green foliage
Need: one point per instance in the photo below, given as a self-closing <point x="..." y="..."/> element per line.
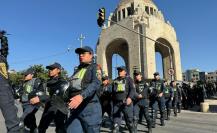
<point x="40" y="72"/>
<point x="16" y="78"/>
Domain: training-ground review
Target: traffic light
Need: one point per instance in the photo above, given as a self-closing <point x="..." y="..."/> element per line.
<point x="101" y="17"/>
<point x="4" y="44"/>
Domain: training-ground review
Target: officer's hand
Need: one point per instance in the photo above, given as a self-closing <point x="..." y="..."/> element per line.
<point x="35" y="100"/>
<point x="160" y="95"/>
<point x="75" y="101"/>
<point x="129" y="101"/>
<point x="139" y="96"/>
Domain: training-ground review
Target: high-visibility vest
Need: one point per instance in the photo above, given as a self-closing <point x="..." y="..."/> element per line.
<point x="77" y="79"/>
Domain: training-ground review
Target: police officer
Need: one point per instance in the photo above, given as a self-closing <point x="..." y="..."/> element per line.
<point x="157" y="98"/>
<point x="141" y="102"/>
<point x="180" y="96"/>
<point x="105" y="96"/>
<point x="51" y="112"/>
<point x="168" y="94"/>
<point x="86" y="113"/>
<point x="175" y="98"/>
<point x="32" y="87"/>
<point x="122" y="95"/>
<point x="7" y="105"/>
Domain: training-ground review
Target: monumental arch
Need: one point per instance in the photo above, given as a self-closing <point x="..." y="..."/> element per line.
<point x="143" y="17"/>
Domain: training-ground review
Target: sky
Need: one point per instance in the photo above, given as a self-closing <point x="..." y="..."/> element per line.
<point x="43" y="30"/>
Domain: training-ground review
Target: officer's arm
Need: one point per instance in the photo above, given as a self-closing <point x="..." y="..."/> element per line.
<point x="93" y="86"/>
<point x="172" y="92"/>
<point x="162" y="87"/>
<point x="132" y="89"/>
<point x="41" y="91"/>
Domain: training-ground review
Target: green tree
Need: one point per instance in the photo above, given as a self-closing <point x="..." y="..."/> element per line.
<point x="40" y="72"/>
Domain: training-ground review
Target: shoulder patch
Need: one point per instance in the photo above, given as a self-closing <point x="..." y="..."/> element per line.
<point x="3" y="70"/>
<point x="99" y="72"/>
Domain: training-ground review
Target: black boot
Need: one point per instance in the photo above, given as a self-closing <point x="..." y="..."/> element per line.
<point x="162" y="123"/>
<point x="154" y="115"/>
<point x="115" y="129"/>
<point x="149" y="130"/>
<point x="131" y="128"/>
<point x="34" y="130"/>
<point x="175" y="111"/>
<point x="168" y="114"/>
<point x="179" y="108"/>
<point x="135" y="127"/>
<point x="162" y="117"/>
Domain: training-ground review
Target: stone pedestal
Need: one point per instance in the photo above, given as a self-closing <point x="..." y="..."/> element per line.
<point x="204" y="107"/>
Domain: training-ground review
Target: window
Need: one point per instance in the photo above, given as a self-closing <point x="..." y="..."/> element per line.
<point x="152" y="11"/>
<point x="123" y="13"/>
<point x="147" y="9"/>
<point x="129" y="11"/>
<point x="119" y="16"/>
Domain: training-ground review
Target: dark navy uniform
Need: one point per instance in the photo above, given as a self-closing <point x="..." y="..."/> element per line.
<point x="157" y="88"/>
<point x="179" y="101"/>
<point x="122" y="89"/>
<point x="142" y="104"/>
<point x="51" y="111"/>
<point x="177" y="92"/>
<point x="168" y="94"/>
<point x="106" y="99"/>
<point x="7" y="105"/>
<point x="31" y="89"/>
<point x="88" y="116"/>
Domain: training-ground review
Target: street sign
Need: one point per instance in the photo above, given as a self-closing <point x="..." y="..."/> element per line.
<point x="170" y="71"/>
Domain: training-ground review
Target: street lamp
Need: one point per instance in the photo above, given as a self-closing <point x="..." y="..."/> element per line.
<point x="81" y="38"/>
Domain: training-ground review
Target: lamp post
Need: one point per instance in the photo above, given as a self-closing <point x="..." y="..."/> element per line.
<point x="81" y="38"/>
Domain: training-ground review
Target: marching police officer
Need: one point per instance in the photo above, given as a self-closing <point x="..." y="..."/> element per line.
<point x="52" y="112"/>
<point x="32" y="87"/>
<point x="175" y="99"/>
<point x="86" y="113"/>
<point x="168" y="94"/>
<point x="122" y="95"/>
<point x="157" y="98"/>
<point x="105" y="96"/>
<point x="181" y="93"/>
<point x="7" y="105"/>
<point x="142" y="101"/>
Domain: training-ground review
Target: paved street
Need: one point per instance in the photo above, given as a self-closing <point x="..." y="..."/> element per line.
<point x="186" y="122"/>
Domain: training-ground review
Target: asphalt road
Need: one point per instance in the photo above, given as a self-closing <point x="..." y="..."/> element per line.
<point x="186" y="122"/>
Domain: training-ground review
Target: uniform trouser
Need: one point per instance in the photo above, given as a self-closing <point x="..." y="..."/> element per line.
<point x="29" y="119"/>
<point x="168" y="104"/>
<point x="175" y="103"/>
<point x="160" y="101"/>
<point x="143" y="104"/>
<point x="85" y="119"/>
<point x="51" y="113"/>
<point x="127" y="110"/>
<point x="106" y="107"/>
<point x="8" y="108"/>
<point x="179" y="105"/>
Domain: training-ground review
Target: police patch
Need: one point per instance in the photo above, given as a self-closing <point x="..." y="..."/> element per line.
<point x="3" y="70"/>
<point x="99" y="72"/>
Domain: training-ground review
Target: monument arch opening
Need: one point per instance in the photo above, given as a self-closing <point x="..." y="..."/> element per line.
<point x="167" y="53"/>
<point x="117" y="49"/>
